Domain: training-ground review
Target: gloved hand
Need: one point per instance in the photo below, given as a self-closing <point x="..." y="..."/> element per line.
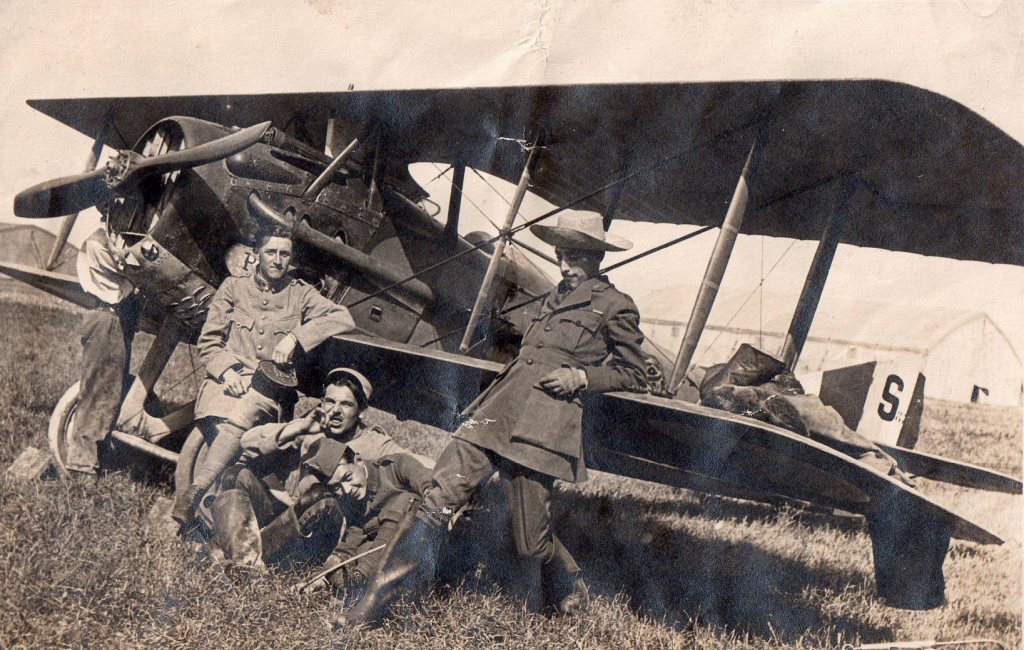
<point x="562" y="382"/>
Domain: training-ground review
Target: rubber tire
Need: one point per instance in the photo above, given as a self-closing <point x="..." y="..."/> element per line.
<point x="192" y="453"/>
<point x="61" y="424"/>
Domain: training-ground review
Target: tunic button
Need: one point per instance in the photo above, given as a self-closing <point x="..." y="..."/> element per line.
<point x="540" y="345"/>
<point x="547" y="328"/>
<point x="261" y="331"/>
<point x="264" y="301"/>
<point x="259" y="347"/>
<point x="529" y="362"/>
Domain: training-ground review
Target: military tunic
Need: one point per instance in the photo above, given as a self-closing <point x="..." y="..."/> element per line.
<point x="262" y="445"/>
<point x="594" y="327"/>
<point x="394" y="487"/>
<point x="246" y="321"/>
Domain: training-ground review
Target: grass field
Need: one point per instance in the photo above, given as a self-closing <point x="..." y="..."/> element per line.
<point x="668" y="567"/>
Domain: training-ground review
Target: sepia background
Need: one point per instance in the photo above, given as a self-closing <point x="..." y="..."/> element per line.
<point x="970" y="51"/>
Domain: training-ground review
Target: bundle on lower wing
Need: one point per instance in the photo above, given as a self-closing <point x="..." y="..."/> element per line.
<point x="757" y="385"/>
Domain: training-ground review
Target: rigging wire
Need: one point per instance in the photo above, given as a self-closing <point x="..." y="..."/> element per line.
<point x="462" y="193"/>
<point x="442" y="174"/>
<point x="603" y="271"/>
<point x="760" y="309"/>
<point x="488" y="183"/>
<point x="539" y="253"/>
<point x="568" y="206"/>
<point x="747" y="299"/>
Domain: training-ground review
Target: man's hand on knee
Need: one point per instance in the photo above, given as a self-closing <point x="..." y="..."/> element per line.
<point x="235" y="384"/>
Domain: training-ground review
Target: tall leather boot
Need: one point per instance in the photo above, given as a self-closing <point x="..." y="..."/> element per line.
<point x="304" y="533"/>
<point x="405" y="572"/>
<point x="236" y="539"/>
<point x="186" y="502"/>
<point x="565" y="592"/>
<point x="281" y="537"/>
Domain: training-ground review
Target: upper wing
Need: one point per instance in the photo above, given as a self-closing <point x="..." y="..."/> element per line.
<point x="936" y="178"/>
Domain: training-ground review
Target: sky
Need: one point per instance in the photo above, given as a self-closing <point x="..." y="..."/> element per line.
<point x="971" y="51"/>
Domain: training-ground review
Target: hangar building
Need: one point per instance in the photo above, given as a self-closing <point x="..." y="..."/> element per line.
<point x="964" y="355"/>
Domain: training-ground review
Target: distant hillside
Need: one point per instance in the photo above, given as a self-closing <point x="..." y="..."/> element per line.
<point x="30" y="245"/>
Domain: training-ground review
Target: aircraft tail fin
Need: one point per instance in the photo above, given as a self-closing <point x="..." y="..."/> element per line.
<point x="879" y="402"/>
<point x="883" y="402"/>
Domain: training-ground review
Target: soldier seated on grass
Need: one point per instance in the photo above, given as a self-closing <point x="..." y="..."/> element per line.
<point x="379" y="496"/>
<point x="283" y="502"/>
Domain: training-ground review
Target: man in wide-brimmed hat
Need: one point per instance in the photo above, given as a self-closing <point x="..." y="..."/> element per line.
<point x="527" y="425"/>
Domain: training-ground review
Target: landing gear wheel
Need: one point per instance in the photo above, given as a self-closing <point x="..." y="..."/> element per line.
<point x="62" y="425"/>
<point x="113" y="453"/>
<point x="191" y="456"/>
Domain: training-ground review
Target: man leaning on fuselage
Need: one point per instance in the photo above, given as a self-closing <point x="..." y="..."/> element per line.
<point x="527" y="425"/>
<point x="262" y="317"/>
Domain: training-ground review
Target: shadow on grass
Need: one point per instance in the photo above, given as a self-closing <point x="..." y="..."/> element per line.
<point x="696" y="504"/>
<point x="624" y="546"/>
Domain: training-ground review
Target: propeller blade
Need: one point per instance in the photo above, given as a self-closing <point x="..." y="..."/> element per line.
<point x="203" y="154"/>
<point x="70" y="194"/>
<point x="60" y="196"/>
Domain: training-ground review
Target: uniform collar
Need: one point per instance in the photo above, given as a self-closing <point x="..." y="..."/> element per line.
<point x="578" y="296"/>
<point x="263" y="285"/>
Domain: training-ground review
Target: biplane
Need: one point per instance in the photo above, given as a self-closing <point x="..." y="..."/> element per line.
<point x="868" y="163"/>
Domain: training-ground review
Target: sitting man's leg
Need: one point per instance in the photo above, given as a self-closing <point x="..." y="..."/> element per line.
<point x="225" y="448"/>
<point x="410" y="561"/>
<point x="251" y="527"/>
<point x="306" y="532"/>
<point x="242" y="508"/>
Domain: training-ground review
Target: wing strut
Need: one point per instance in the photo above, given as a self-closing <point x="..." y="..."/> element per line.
<point x="69" y="221"/>
<point x="499" y="247"/>
<point x="451" y="225"/>
<point x="817" y="274"/>
<point x="713" y="275"/>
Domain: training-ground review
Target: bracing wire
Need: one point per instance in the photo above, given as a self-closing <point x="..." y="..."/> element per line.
<point x="568" y="206"/>
<point x="603" y="271"/>
<point x="463" y="194"/>
<point x="749" y="296"/>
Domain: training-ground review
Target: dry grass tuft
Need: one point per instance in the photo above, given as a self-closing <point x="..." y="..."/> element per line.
<point x="667" y="568"/>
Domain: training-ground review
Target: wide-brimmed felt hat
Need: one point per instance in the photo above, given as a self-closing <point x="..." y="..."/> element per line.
<point x="581" y="230"/>
<point x="359" y="378"/>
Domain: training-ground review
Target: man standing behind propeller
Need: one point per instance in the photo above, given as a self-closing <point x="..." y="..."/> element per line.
<point x="108" y="332"/>
<point x="262" y="317"/>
